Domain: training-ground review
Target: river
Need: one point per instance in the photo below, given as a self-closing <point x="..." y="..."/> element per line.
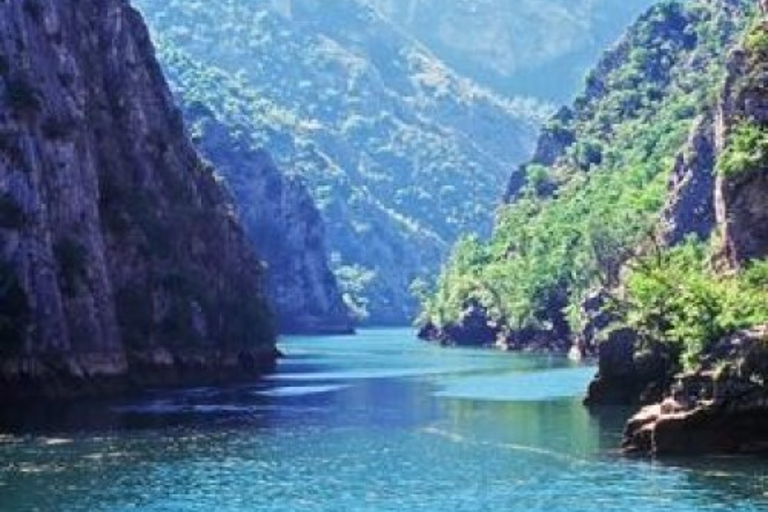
<point x="375" y="422"/>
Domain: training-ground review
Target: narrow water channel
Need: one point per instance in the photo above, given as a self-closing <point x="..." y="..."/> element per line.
<point x="376" y="422"/>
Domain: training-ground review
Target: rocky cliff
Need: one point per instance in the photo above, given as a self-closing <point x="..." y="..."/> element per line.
<point x="121" y="261"/>
<point x="690" y="206"/>
<point x="603" y="172"/>
<point x="720" y="405"/>
<point x="742" y="128"/>
<point x="281" y="219"/>
<point x="717" y="187"/>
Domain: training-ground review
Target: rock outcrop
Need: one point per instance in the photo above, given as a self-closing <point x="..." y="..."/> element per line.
<point x="742" y="129"/>
<point x="473" y="329"/>
<point x="121" y="261"/>
<point x="627" y="374"/>
<point x="280" y="217"/>
<point x="690" y="208"/>
<point x="722" y="407"/>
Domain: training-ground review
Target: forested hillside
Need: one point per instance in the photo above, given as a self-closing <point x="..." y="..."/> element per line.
<point x="516" y="47"/>
<point x="400" y="152"/>
<point x="593" y="194"/>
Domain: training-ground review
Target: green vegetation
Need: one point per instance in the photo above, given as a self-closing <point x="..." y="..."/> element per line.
<point x="399" y="152"/>
<point x="605" y="191"/>
<point x="746" y="150"/>
<point x="756" y="42"/>
<point x="675" y="298"/>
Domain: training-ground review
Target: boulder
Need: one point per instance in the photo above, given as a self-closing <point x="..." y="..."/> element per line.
<point x="721" y="408"/>
<point x="627" y="375"/>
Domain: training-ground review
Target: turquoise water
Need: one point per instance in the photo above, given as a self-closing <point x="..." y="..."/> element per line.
<point x="377" y="422"/>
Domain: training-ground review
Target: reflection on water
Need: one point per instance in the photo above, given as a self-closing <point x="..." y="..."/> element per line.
<point x="376" y="422"/>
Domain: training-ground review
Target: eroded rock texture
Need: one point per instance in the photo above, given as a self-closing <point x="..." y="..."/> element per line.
<point x="281" y="218"/>
<point x="120" y="258"/>
<point x="721" y="407"/>
<point x="742" y="196"/>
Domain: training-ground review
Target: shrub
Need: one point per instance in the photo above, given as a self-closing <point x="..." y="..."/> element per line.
<point x="538" y="180"/>
<point x="756" y="42"/>
<point x="674" y="298"/>
<point x="587" y="154"/>
<point x="746" y="150"/>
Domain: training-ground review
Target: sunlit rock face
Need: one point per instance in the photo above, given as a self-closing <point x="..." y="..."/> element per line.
<point x="120" y="259"/>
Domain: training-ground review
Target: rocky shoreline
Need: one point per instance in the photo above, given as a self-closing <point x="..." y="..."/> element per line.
<point x="678" y="333"/>
<point x="720" y="408"/>
<point x="475" y="330"/>
<point x="101" y="375"/>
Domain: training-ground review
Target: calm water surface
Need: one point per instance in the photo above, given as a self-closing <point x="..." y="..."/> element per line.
<point x="378" y="422"/>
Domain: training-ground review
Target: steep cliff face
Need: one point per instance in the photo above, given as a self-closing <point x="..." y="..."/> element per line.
<point x="690" y="206"/>
<point x="742" y="128"/>
<point x="720" y="404"/>
<point x="604" y="170"/>
<point x="120" y="258"/>
<point x="283" y="222"/>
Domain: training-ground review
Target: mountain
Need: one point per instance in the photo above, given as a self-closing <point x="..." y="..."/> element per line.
<point x="121" y="262"/>
<point x="595" y="186"/>
<point x="718" y="403"/>
<point x="283" y="223"/>
<point x="525" y="47"/>
<point x="637" y="232"/>
<point x="399" y="151"/>
<point x="402" y="140"/>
